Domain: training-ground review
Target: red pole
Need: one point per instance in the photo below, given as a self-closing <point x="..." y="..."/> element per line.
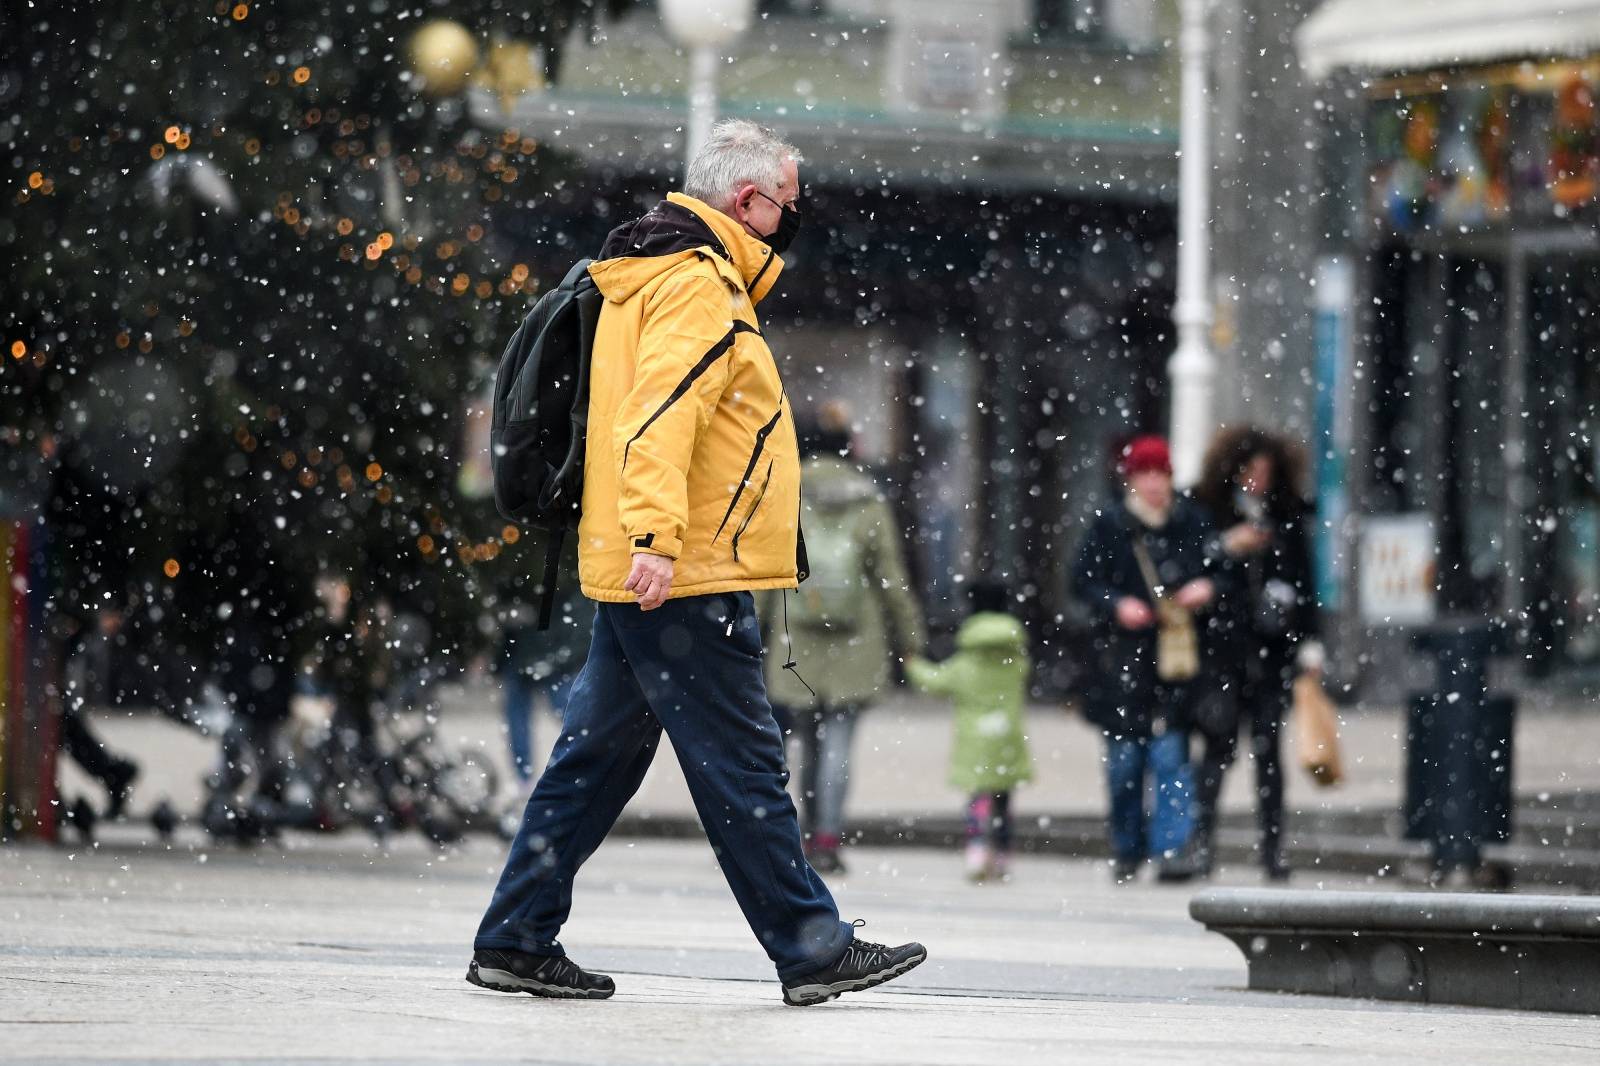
<point x="21" y="765"/>
<point x="41" y="688"/>
<point x="31" y="732"/>
<point x="7" y="728"/>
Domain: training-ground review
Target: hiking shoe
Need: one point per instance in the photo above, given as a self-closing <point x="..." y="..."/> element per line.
<point x="1177" y="866"/>
<point x="979" y="859"/>
<point x="863" y="965"/>
<point x="550" y="976"/>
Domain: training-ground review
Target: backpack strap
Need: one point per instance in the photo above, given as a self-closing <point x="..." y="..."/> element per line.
<point x="1147" y="567"/>
<point x="552" y="568"/>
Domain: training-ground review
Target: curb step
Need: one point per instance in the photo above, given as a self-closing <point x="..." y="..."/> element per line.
<point x="1080" y="836"/>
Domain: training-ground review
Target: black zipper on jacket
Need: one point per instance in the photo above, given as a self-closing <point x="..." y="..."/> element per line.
<point x="759" y="275"/>
<point x="755" y="456"/>
<point x="753" y="509"/>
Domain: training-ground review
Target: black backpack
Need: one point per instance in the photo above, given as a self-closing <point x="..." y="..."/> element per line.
<point x="541" y="417"/>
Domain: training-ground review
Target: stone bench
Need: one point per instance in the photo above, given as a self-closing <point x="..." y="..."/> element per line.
<point x="1523" y="952"/>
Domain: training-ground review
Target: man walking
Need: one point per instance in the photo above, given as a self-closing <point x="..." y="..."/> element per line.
<point x="691" y="501"/>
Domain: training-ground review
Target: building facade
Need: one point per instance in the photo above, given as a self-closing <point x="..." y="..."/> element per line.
<point x="1461" y="168"/>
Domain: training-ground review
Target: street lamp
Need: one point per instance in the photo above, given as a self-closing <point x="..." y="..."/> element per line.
<point x="704" y="26"/>
<point x="1192" y="370"/>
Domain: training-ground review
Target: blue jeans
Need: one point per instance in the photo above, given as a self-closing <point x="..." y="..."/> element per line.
<point x="825" y="736"/>
<point x="1165" y="759"/>
<point x="520" y="692"/>
<point x="693" y="668"/>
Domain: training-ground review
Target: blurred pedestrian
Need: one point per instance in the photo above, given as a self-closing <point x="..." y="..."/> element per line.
<point x="536" y="663"/>
<point x="852" y="615"/>
<point x="691" y="502"/>
<point x="353" y="662"/>
<point x="1249" y="484"/>
<point x="987" y="678"/>
<point x="261" y="613"/>
<point x="1147" y="574"/>
<point x="95" y="662"/>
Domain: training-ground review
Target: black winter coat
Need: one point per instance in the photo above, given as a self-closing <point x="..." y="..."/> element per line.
<point x="1274" y="607"/>
<point x="1123" y="695"/>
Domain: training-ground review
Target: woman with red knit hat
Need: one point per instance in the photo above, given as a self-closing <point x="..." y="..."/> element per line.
<point x="1150" y="573"/>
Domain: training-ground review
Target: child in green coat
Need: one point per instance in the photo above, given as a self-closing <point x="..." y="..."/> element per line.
<point x="987" y="678"/>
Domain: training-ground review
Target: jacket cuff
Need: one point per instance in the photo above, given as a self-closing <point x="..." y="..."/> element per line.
<point x="644" y="540"/>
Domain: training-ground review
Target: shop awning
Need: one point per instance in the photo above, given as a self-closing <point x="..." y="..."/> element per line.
<point x="1394" y="35"/>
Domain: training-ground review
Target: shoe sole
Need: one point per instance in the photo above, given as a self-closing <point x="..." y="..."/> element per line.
<point x="505" y="981"/>
<point x="811" y="995"/>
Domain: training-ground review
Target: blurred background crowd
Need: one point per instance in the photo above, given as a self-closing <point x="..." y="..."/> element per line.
<point x="264" y="256"/>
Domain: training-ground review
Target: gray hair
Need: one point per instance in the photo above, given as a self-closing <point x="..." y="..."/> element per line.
<point x="737" y="152"/>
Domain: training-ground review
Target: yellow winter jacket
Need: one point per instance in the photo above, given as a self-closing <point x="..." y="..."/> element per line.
<point x="691" y="443"/>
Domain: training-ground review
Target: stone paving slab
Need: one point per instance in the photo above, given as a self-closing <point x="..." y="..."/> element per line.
<point x="330" y="950"/>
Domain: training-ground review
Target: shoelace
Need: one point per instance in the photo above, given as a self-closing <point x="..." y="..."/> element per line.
<point x="865" y="955"/>
<point x="564" y="971"/>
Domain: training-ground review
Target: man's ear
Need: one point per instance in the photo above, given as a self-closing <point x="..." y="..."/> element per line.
<point x="742" y="198"/>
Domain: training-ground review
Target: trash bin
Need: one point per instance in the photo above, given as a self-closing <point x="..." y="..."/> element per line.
<point x="1459" y="746"/>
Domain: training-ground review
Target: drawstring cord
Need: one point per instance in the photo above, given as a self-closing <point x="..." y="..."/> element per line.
<point x="788" y="645"/>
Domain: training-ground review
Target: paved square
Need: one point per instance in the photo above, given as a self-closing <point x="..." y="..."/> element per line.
<point x="330" y="950"/>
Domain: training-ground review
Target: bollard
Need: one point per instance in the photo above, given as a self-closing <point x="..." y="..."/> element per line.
<point x="1459" y="748"/>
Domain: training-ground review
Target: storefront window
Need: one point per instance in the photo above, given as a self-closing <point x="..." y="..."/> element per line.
<point x="1481" y="202"/>
<point x="1518" y="145"/>
<point x="1064" y="19"/>
<point x="1389" y="408"/>
<point x="1472" y="548"/>
<point x="1563" y="550"/>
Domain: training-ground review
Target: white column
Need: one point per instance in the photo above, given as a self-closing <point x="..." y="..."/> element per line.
<point x="702" y="98"/>
<point x="1192" y="369"/>
<point x="706" y="28"/>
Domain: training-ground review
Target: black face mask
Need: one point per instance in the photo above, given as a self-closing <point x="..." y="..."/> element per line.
<point x="789" y="220"/>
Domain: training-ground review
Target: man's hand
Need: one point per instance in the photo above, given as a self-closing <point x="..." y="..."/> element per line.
<point x="650" y="579"/>
<point x="1196" y="594"/>
<point x="1134" y="613"/>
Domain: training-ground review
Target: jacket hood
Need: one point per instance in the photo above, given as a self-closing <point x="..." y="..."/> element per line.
<point x="675" y="230"/>
<point x="833" y="483"/>
<point x="992" y="632"/>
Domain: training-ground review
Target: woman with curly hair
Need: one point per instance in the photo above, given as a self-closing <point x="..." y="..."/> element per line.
<point x="1249" y="484"/>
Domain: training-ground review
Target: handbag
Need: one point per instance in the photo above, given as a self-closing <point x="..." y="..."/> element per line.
<point x="1316" y="732"/>
<point x="1177" y="638"/>
<point x="1216" y="708"/>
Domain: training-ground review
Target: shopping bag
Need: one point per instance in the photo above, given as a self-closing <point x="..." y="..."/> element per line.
<point x="1316" y="731"/>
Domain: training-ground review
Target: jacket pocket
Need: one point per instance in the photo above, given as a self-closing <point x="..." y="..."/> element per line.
<point x="749" y="515"/>
<point x="749" y="470"/>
